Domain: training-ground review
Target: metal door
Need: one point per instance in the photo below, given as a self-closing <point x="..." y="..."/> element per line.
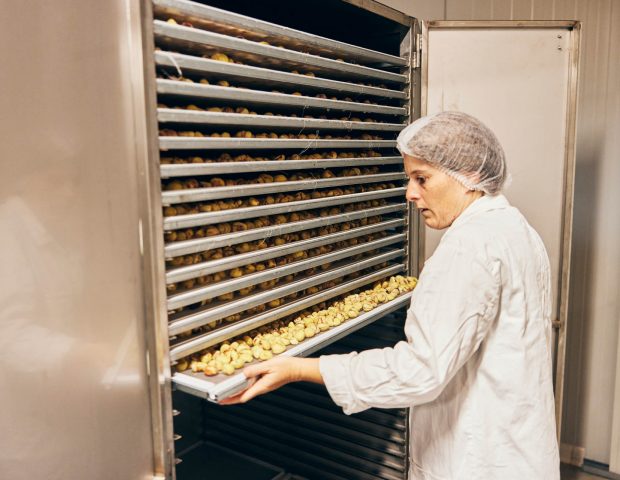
<point x="520" y="78"/>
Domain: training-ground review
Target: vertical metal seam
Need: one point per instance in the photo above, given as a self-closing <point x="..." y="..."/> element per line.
<point x="413" y="226"/>
<point x="155" y="314"/>
<point x="565" y="257"/>
<point x="614" y="460"/>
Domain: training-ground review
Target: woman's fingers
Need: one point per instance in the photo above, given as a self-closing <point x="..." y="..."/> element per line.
<point x="264" y="377"/>
<point x="235" y="399"/>
<point x="263" y="385"/>
<point x="270" y="375"/>
<point x="256" y="370"/>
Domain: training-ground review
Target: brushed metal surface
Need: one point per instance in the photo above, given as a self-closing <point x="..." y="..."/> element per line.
<point x="74" y="401"/>
<point x="172" y="115"/>
<point x="259" y="76"/>
<point x="261" y="98"/>
<point x="217" y="193"/>
<point x="195" y="169"/>
<point x="185" y="143"/>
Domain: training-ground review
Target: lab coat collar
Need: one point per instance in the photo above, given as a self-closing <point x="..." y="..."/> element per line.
<point x="483" y="204"/>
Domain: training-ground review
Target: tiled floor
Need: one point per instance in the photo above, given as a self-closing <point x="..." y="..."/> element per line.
<point x="573" y="473"/>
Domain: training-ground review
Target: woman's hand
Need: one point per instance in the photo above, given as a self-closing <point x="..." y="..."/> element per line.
<point x="268" y="376"/>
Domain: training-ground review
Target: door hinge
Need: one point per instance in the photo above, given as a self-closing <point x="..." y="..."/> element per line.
<point x="418" y="50"/>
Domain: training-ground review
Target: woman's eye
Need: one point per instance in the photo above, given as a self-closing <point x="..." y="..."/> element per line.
<point x="420" y="180"/>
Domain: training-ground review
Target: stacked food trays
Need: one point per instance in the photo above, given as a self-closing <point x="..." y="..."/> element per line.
<point x="282" y="189"/>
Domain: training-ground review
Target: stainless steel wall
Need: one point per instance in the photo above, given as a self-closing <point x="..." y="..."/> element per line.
<point x="594" y="311"/>
<point x="73" y="394"/>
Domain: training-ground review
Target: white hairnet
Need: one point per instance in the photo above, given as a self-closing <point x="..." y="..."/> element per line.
<point x="460" y="145"/>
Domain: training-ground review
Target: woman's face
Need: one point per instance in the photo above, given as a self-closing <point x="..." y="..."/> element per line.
<point x="438" y="196"/>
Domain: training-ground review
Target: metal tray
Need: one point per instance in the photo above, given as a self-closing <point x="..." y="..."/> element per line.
<point x="205" y="268"/>
<point x="180" y="37"/>
<point x="186" y="247"/>
<point x="203" y="317"/>
<point x="259" y="98"/>
<point x="170" y="197"/>
<point x="210" y="218"/>
<point x="170" y="170"/>
<point x="208" y="143"/>
<point x="234" y="24"/>
<point x="220" y="387"/>
<point x="264" y="77"/>
<point x="173" y="115"/>
<point x="196" y="295"/>
<point x="214" y="337"/>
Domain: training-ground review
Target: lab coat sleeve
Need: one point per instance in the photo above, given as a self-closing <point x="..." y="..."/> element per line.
<point x="452" y="309"/>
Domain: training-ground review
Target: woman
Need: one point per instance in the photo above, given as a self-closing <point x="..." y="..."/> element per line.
<point x="476" y="366"/>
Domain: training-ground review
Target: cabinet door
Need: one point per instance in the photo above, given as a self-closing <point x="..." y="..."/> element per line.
<point x="520" y="79"/>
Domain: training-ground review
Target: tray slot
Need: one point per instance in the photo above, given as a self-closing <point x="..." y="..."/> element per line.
<point x="307" y="464"/>
<point x="234" y="24"/>
<point x="181" y="37"/>
<point x="270" y="99"/>
<point x="393" y="438"/>
<point x="307" y="429"/>
<point x="323" y="402"/>
<point x="264" y="77"/>
<point x="171" y="197"/>
<point x="317" y="449"/>
<point x="208" y="143"/>
<point x="172" y="115"/>
<point x="196" y="169"/>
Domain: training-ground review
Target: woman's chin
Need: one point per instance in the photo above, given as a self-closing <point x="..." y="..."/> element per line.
<point x="434" y="224"/>
<point x="430" y="223"/>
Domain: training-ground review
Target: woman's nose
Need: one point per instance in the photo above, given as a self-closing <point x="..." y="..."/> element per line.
<point x="412" y="194"/>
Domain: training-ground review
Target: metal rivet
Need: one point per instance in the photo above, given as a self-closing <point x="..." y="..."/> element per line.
<point x="559" y="48"/>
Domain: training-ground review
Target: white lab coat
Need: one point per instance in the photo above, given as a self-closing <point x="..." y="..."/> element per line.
<point x="476" y="367"/>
